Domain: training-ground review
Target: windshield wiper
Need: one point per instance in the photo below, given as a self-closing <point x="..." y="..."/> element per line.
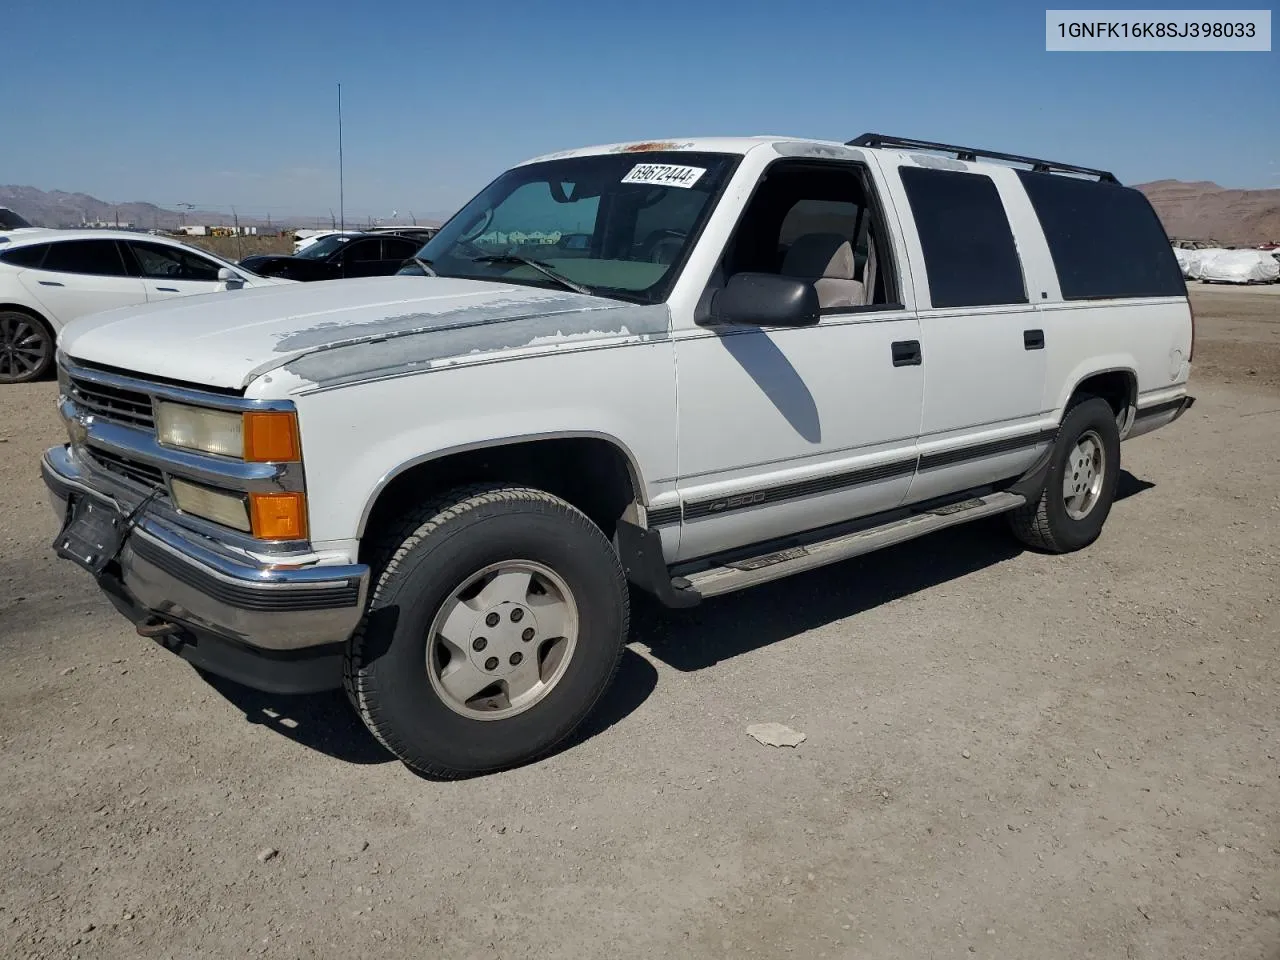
<point x="540" y="267"/>
<point x="425" y="265"/>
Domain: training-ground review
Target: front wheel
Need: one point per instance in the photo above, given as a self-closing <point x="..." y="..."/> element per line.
<point x="497" y="622"/>
<point x="26" y="347"/>
<point x="1081" y="483"/>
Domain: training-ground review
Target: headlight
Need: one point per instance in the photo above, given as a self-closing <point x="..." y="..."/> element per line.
<point x="198" y="428"/>
<point x="228" y="509"/>
<point x="257" y="436"/>
<point x="268" y="516"/>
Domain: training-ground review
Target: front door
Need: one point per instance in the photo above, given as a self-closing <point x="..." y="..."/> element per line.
<point x="784" y="430"/>
<point x="169" y="271"/>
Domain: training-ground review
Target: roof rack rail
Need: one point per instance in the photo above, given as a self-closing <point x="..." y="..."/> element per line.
<point x="972" y="154"/>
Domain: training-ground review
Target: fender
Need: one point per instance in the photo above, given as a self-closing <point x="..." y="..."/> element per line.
<point x="633" y="468"/>
<point x="1114" y="363"/>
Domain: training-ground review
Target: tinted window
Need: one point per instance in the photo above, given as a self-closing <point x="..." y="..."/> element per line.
<point x="98" y="257"/>
<point x="969" y="253"/>
<point x="25" y="256"/>
<point x="363" y="251"/>
<point x="1105" y="239"/>
<point x="162" y="262"/>
<point x="395" y="248"/>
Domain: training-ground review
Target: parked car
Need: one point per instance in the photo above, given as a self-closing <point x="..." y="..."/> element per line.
<point x="337" y="256"/>
<point x="301" y="243"/>
<point x="50" y="277"/>
<point x="420" y="234"/>
<point x="435" y="489"/>
<point x="11" y="220"/>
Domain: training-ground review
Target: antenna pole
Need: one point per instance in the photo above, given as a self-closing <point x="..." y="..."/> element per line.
<point x="341" y="204"/>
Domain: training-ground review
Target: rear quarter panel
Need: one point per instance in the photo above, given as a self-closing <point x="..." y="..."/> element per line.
<point x="1150" y="338"/>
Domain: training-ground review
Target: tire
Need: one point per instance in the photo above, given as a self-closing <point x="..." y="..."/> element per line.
<point x="1054" y="523"/>
<point x="413" y="704"/>
<point x="26" y="347"/>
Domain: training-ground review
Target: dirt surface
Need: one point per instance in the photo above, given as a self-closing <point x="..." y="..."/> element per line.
<point x="1006" y="754"/>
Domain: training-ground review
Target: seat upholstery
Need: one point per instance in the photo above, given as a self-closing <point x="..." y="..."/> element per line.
<point x="827" y="260"/>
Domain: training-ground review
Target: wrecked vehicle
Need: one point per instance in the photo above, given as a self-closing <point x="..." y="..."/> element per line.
<point x="435" y="488"/>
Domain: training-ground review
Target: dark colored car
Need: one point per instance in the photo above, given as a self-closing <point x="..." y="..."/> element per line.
<point x="336" y="257"/>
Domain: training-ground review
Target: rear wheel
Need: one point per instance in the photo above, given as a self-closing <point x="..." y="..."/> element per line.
<point x="1081" y="483"/>
<point x="497" y="621"/>
<point x="26" y="347"/>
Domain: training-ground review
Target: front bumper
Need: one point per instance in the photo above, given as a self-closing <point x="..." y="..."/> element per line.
<point x="231" y="613"/>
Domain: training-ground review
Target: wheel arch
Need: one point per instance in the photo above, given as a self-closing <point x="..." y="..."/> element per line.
<point x="1116" y="383"/>
<point x="42" y="320"/>
<point x="31" y="312"/>
<point x="497" y="458"/>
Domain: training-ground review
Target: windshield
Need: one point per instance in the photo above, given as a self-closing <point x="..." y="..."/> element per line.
<point x="321" y="248"/>
<point x="617" y="224"/>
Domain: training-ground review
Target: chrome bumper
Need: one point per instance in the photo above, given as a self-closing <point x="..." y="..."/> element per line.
<point x="191" y="580"/>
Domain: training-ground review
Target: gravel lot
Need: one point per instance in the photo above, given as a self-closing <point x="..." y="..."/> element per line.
<point x="1008" y="754"/>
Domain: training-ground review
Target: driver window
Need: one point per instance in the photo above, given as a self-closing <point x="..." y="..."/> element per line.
<point x="169" y="263"/>
<point x="813" y="223"/>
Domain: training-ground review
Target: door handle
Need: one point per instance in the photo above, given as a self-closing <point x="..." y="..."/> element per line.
<point x="1033" y="339"/>
<point x="907" y="353"/>
<point x="50" y="283"/>
<point x="168" y="289"/>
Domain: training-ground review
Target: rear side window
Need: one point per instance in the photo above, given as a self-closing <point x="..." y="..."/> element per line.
<point x="397" y="248"/>
<point x="969" y="253"/>
<point x="1105" y="239"/>
<point x="31" y="256"/>
<point x="99" y="258"/>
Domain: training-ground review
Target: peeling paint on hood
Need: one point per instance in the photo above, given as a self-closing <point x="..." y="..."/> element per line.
<point x="344" y="330"/>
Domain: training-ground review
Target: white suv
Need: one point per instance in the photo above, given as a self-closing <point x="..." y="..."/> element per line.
<point x="758" y="356"/>
<point x="50" y="277"/>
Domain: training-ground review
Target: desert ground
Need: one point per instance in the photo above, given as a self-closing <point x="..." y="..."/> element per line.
<point x="1007" y="754"/>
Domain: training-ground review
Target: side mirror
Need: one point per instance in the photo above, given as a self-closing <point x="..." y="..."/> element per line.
<point x="766" y="300"/>
<point x="230" y="279"/>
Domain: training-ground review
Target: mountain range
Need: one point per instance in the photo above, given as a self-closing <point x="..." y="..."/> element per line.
<point x="1197" y="210"/>
<point x="1206" y="211"/>
<point x="57" y="208"/>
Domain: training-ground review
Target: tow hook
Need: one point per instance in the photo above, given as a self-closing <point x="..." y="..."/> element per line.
<point x="155" y="627"/>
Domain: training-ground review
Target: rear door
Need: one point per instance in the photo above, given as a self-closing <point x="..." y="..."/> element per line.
<point x="982" y="339"/>
<point x="362" y="258"/>
<point x="395" y="251"/>
<point x="79" y="277"/>
<point x="169" y="271"/>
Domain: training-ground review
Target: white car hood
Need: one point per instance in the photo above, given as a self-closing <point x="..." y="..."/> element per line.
<point x="361" y="326"/>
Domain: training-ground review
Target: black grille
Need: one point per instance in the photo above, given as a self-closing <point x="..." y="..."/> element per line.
<point x="114" y="404"/>
<point x="142" y="473"/>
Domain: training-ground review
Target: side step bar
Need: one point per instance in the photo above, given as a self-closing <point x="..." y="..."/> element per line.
<point x="740" y="574"/>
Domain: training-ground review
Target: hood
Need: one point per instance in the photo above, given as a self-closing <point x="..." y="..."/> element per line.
<point x="348" y="328"/>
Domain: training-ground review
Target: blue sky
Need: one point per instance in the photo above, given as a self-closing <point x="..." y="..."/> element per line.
<point x="234" y="103"/>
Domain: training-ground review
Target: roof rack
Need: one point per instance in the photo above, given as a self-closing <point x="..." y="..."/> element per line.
<point x="972" y="154"/>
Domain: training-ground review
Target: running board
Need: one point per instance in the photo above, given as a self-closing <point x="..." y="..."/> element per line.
<point x="749" y="572"/>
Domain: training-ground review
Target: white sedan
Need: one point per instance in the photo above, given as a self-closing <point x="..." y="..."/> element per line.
<point x="50" y="277"/>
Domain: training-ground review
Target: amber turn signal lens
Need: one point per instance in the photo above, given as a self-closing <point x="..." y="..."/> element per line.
<point x="278" y="516"/>
<point x="271" y="437"/>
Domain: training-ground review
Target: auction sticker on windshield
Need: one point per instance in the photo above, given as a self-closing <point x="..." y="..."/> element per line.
<point x="664" y="174"/>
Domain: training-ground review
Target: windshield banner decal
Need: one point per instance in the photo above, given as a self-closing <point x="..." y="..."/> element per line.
<point x="664" y="174"/>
